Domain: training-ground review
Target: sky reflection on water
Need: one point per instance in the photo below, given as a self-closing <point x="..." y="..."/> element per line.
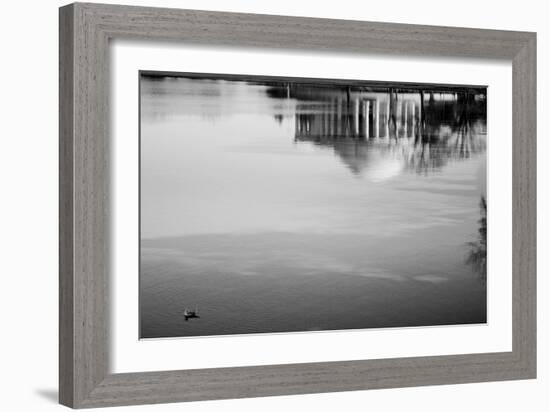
<point x="241" y="180"/>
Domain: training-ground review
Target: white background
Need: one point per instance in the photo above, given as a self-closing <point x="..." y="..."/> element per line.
<point x="28" y="173"/>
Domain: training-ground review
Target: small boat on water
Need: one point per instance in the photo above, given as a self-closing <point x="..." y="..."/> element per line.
<point x="190" y="314"/>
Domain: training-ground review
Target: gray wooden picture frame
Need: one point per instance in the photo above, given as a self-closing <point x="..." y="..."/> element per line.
<point x="85" y="32"/>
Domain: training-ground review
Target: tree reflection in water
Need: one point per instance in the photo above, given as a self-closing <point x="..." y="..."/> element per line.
<point x="477" y="255"/>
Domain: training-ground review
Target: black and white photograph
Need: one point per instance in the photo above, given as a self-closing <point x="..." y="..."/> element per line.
<point x="265" y="206"/>
<point x="272" y="205"/>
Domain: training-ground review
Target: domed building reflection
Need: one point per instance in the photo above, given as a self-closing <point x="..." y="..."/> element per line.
<point x="424" y="130"/>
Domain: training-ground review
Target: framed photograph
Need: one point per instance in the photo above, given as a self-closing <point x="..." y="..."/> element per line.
<point x="257" y="205"/>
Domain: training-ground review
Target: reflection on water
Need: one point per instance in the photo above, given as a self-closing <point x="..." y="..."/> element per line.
<point x="424" y="131"/>
<point x="477" y="255"/>
<point x="281" y="206"/>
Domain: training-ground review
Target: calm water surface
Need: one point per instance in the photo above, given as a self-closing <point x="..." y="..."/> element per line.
<point x="287" y="207"/>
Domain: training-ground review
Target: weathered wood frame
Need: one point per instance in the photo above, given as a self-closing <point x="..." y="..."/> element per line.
<point x="85" y="31"/>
